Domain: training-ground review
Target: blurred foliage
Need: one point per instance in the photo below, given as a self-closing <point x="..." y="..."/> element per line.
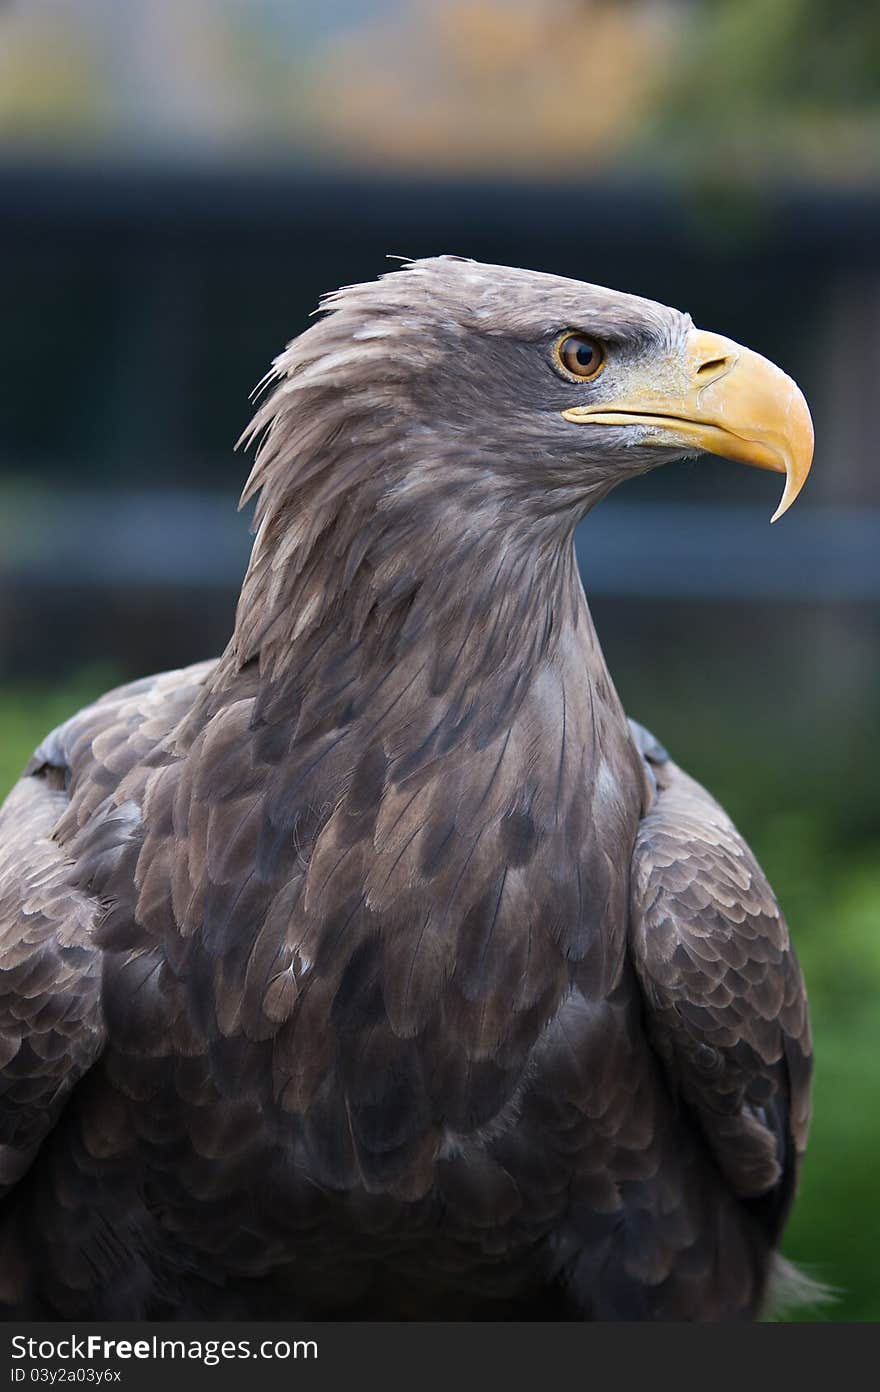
<point x="777" y="87"/>
<point x="504" y="85"/>
<point x="729" y="90"/>
<point x="804" y="55"/>
<point x="811" y="822"/>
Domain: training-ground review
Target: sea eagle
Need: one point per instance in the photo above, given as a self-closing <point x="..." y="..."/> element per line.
<point x="382" y="969"/>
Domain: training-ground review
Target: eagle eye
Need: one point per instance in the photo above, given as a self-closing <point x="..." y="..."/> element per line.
<point x="579" y="356"/>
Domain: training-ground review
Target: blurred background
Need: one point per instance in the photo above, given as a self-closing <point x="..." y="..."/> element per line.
<point x="181" y="179"/>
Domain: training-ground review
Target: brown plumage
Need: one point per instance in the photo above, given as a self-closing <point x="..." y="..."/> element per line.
<point x="382" y="969"/>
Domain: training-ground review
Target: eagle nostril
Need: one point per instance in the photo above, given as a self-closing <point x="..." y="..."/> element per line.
<point x="714" y="366"/>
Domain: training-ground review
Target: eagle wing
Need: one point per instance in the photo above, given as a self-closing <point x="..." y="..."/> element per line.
<point x="51" y="1028"/>
<point x="51" y="1020"/>
<point x="726" y="1003"/>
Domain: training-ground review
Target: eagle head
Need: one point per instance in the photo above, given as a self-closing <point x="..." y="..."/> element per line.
<point x="546" y="389"/>
<point x="451" y="412"/>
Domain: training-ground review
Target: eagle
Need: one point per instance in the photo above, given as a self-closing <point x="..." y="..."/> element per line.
<point x="382" y="968"/>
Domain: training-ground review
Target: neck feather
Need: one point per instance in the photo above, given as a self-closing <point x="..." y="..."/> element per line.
<point x="373" y="554"/>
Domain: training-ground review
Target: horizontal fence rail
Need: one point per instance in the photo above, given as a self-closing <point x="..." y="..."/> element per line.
<point x="134" y="540"/>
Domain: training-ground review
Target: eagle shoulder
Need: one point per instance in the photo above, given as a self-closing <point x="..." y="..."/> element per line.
<point x="51" y="1025"/>
<point x="725" y="998"/>
<point x="72" y="791"/>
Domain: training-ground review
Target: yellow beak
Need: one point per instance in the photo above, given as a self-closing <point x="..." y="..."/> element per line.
<point x="721" y="399"/>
